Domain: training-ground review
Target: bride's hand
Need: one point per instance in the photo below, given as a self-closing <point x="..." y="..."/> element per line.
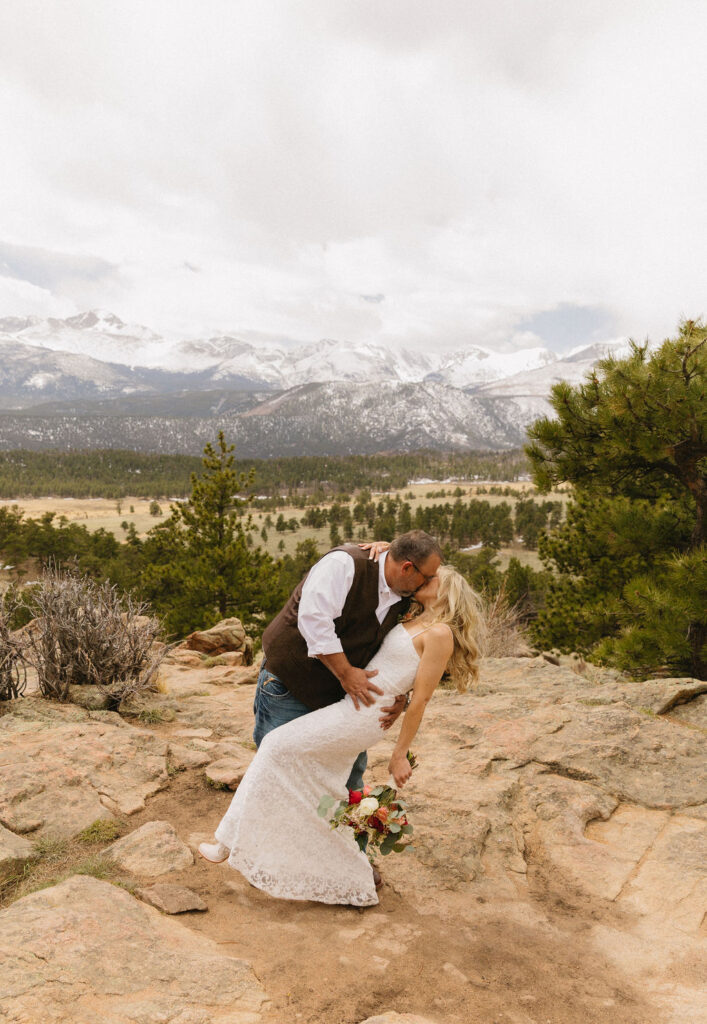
<point x="400" y="769"/>
<point x="390" y="715"/>
<point x="375" y="549"/>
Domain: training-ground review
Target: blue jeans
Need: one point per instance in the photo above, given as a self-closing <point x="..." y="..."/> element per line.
<point x="274" y="705"/>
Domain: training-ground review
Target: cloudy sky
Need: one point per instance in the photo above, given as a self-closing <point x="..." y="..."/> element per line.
<point x="420" y="173"/>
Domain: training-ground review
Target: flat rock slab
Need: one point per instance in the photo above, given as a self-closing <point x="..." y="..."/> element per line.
<point x="171" y="899"/>
<point x="118" y="961"/>
<point x="151" y="850"/>
<point x="215" y="711"/>
<point x="533" y="682"/>
<point x="63" y="767"/>
<point x="640" y="758"/>
<point x="187" y="757"/>
<point x="242" y="676"/>
<point x="670" y="882"/>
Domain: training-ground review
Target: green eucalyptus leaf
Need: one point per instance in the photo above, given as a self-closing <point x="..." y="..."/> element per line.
<point x="325" y="805"/>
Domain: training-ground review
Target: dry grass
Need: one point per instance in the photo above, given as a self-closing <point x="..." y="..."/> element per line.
<point x="13" y="672"/>
<point x="505" y="636"/>
<point x="55" y="860"/>
<point x="94" y="513"/>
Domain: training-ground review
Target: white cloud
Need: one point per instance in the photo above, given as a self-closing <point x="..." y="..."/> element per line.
<point x="475" y="163"/>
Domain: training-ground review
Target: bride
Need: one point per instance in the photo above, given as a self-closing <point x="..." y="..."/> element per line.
<point x="271" y="832"/>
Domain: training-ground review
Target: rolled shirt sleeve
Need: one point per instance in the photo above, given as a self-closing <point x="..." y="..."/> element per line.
<point x="323" y="597"/>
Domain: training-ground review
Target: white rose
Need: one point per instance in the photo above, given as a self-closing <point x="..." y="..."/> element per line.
<point x="367" y="806"/>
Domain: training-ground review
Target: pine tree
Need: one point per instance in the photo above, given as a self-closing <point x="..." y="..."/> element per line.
<point x="200" y="568"/>
<point x="632" y="557"/>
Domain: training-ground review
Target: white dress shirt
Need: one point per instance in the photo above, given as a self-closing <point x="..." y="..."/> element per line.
<point x="324" y="595"/>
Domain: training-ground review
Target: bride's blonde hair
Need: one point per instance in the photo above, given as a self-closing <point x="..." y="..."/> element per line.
<point x="460" y="608"/>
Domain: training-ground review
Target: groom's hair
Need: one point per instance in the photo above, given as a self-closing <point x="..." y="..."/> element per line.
<point x="415" y="546"/>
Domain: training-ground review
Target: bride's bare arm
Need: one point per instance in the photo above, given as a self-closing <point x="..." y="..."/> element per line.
<point x="438" y="648"/>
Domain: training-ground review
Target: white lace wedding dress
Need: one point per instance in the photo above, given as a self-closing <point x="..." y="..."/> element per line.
<point x="277" y="840"/>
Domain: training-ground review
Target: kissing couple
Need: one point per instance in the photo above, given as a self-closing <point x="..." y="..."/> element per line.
<point x="336" y="656"/>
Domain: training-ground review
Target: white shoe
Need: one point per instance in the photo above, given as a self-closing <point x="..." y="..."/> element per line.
<point x="215" y="853"/>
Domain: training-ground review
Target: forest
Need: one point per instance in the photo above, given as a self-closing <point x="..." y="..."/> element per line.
<point x="114" y="473"/>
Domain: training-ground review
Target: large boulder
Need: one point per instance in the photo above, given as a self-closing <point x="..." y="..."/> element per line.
<point x="227" y="635"/>
<point x="86" y="951"/>
<point x="65" y="767"/>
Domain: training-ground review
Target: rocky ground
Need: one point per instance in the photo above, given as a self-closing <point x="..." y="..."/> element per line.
<point x="559" y="874"/>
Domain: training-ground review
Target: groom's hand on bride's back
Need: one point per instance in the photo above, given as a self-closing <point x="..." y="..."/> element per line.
<point x="357" y="683"/>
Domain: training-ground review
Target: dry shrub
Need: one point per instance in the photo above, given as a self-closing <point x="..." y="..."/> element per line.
<point x="13" y="676"/>
<point x="88" y="633"/>
<point x="505" y="636"/>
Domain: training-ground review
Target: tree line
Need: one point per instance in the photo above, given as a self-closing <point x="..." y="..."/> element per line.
<point x="459" y="523"/>
<point x="114" y="473"/>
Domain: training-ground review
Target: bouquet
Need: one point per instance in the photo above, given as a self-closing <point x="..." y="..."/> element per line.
<point x="376" y="816"/>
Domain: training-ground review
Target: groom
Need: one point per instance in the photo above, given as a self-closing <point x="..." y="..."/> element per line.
<point x="333" y="623"/>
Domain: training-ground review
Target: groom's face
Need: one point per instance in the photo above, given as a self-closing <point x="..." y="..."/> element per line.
<point x="407" y="577"/>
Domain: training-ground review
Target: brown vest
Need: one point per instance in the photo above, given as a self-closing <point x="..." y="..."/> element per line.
<point x="357" y="627"/>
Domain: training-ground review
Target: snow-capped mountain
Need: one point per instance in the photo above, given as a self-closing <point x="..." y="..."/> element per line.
<point x="29" y="374"/>
<point x="93" y="381"/>
<point x="102" y="335"/>
<point x="536" y="381"/>
<point x="96" y="333"/>
<point x="476" y="366"/>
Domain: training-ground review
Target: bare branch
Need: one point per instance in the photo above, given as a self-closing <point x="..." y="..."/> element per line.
<point x="89" y="634"/>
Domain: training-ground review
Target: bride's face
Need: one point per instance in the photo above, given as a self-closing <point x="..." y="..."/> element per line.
<point x="427" y="594"/>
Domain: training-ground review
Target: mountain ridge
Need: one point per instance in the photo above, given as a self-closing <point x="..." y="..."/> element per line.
<point x="158" y="394"/>
<point x="224" y="361"/>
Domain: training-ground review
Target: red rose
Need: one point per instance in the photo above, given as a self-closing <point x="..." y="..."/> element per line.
<point x="376" y="824"/>
<point x="355" y="796"/>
